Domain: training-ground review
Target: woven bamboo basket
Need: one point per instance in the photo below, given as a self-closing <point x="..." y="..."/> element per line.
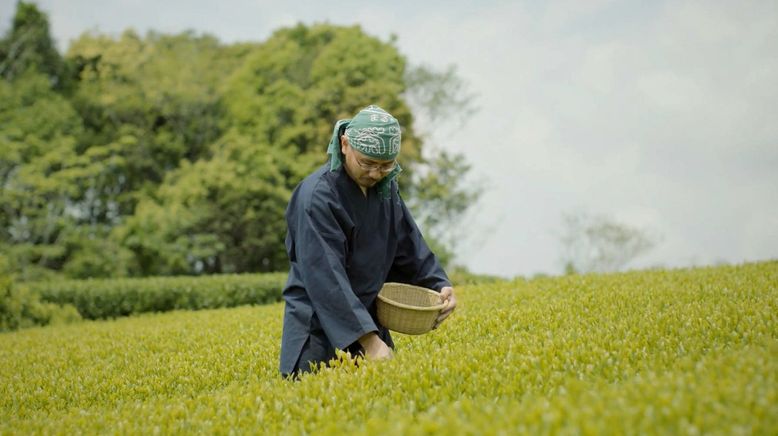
<point x="408" y="309"/>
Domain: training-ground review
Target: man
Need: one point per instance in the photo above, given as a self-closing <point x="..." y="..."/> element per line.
<point x="348" y="233"/>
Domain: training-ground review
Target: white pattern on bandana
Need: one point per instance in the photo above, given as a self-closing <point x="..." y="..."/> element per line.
<point x="375" y="133"/>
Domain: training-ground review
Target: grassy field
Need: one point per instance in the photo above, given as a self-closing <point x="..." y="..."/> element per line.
<point x="683" y="351"/>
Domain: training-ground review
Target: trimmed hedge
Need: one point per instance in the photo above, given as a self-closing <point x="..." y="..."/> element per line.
<point x="110" y="298"/>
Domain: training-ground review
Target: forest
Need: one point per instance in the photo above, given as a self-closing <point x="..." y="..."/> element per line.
<point x="150" y="155"/>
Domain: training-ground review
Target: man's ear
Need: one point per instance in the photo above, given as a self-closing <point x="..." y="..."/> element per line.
<point x="343" y="144"/>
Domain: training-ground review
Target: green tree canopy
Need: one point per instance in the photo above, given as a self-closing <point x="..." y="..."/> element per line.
<point x="28" y="47"/>
<point x="176" y="154"/>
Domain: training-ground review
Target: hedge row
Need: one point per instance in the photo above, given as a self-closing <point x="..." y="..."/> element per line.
<point x="110" y="298"/>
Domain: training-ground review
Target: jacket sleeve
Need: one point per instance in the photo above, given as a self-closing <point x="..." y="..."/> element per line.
<point x="414" y="262"/>
<point x="320" y="253"/>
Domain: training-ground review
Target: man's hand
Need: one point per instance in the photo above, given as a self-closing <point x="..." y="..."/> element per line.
<point x="375" y="348"/>
<point x="450" y="301"/>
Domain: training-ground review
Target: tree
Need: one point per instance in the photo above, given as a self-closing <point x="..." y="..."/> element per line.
<point x="292" y="88"/>
<point x="154" y="101"/>
<point x="599" y="244"/>
<point x="439" y="197"/>
<point x="150" y="105"/>
<point x="439" y="97"/>
<point x="39" y="130"/>
<point x="440" y="193"/>
<point x="28" y="47"/>
<point x="221" y="215"/>
<point x="175" y="154"/>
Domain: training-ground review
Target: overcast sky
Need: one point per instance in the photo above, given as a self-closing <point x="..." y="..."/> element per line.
<point x="660" y="115"/>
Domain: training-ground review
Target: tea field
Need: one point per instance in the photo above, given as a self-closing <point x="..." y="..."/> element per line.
<point x="679" y="351"/>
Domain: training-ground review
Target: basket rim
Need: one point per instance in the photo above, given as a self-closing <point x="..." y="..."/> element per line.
<point x="407" y="306"/>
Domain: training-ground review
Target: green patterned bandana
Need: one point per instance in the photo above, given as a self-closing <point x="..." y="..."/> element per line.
<point x="374" y="133"/>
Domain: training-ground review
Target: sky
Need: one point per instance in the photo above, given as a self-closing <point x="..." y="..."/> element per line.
<point x="659" y="115"/>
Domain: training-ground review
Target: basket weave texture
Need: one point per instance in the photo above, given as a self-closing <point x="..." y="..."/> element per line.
<point x="408" y="309"/>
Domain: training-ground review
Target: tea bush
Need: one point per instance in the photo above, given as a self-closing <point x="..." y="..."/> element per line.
<point x="20" y="307"/>
<point x="683" y="351"/>
<point x="110" y="298"/>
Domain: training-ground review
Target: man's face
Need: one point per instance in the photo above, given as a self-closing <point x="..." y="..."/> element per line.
<point x="364" y="170"/>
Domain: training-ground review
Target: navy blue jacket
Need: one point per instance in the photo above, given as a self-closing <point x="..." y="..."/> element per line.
<point x="342" y="247"/>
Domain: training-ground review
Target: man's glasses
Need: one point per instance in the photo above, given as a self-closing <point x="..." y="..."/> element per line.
<point x="384" y="168"/>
